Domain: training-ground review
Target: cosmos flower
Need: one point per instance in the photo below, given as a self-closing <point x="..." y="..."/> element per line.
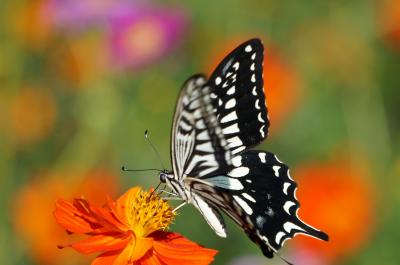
<point x="32" y="208"/>
<point x="138" y="33"/>
<point x="337" y="197"/>
<point x="142" y="35"/>
<point x="130" y="230"/>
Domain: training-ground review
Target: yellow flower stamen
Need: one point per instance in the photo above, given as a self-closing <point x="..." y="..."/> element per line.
<point x="149" y="213"/>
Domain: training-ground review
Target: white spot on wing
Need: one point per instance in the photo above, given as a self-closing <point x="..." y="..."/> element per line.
<point x="253" y="78"/>
<point x="231" y="91"/>
<point x="239" y="149"/>
<point x="260" y="118"/>
<point x="276" y="170"/>
<point x="218" y="80"/>
<point x="239" y="172"/>
<point x="243" y="204"/>
<point x="288" y="205"/>
<point x="205" y="147"/>
<point x="234" y="141"/>
<point x="248" y="48"/>
<point x="257" y="105"/>
<point x="236" y="66"/>
<point x="229" y="117"/>
<point x="253" y="56"/>
<point x="230" y="104"/>
<point x="200" y="125"/>
<point x="254" y="92"/>
<point x="286" y="185"/>
<point x="231" y="129"/>
<point x="247" y="196"/>
<point x="237" y="161"/>
<point x="262" y="157"/>
<point x="203" y="135"/>
<point x="252" y="67"/>
<point x="262" y="131"/>
<point x="289" y="226"/>
<point x="279" y="236"/>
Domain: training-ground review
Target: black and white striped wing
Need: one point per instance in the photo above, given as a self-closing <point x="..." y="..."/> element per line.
<point x="259" y="195"/>
<point x="198" y="147"/>
<point x="237" y="92"/>
<point x="221" y="117"/>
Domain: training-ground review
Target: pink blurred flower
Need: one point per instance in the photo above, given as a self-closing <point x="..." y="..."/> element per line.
<point x="79" y="15"/>
<point x="142" y="35"/>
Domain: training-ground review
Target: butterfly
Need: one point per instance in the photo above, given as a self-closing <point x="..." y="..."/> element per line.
<point x="216" y="122"/>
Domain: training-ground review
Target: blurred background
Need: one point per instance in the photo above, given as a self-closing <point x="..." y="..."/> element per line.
<point x="81" y="80"/>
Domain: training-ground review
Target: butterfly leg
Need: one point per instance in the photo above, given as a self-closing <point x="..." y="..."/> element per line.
<point x="169" y="193"/>
<point x="179" y="206"/>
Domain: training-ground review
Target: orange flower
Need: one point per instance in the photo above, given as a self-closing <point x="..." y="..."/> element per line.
<point x="338" y="198"/>
<point x="129" y="231"/>
<point x="281" y="83"/>
<point x="32" y="211"/>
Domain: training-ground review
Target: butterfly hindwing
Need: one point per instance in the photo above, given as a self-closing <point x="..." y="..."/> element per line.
<point x="258" y="194"/>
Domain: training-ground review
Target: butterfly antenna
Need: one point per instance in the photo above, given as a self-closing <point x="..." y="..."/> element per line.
<point x="123" y="168"/>
<point x="146" y="135"/>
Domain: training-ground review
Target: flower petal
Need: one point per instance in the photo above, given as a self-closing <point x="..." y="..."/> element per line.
<point x="106" y="258"/>
<point x="133" y="251"/>
<point x="173" y="248"/>
<point x="150" y="259"/>
<point x="122" y="206"/>
<point x="142" y="245"/>
<point x="72" y="219"/>
<point x="101" y="243"/>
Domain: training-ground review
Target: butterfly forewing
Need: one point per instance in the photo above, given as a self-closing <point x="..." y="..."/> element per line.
<point x="197" y="146"/>
<point x="237" y="91"/>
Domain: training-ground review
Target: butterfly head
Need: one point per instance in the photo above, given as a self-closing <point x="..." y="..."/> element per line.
<point x="165" y="175"/>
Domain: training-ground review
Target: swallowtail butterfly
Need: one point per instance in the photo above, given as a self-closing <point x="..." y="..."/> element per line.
<point x="216" y="123"/>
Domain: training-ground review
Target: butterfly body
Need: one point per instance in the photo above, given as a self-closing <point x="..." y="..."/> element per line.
<point x="216" y="122"/>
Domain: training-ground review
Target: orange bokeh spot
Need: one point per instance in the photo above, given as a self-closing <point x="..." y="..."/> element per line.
<point x="32" y="115"/>
<point x="81" y="61"/>
<point x="337" y="198"/>
<point x="281" y="83"/>
<point x="34" y="205"/>
<point x="389" y="20"/>
<point x="31" y="22"/>
<point x="282" y="87"/>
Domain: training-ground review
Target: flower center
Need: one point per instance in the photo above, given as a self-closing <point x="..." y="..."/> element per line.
<point x="149" y="213"/>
